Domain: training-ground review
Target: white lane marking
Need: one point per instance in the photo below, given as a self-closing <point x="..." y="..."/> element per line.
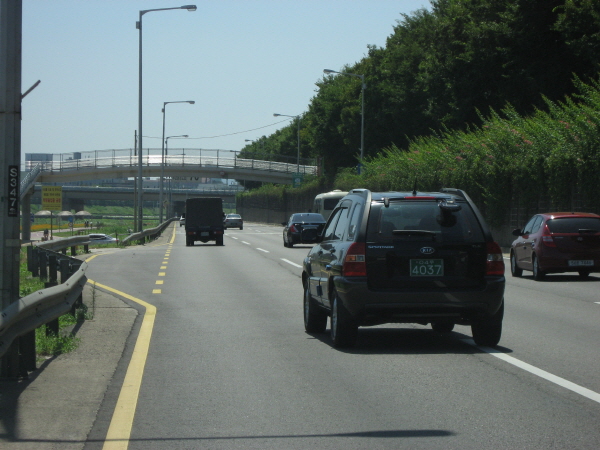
<point x="293" y="264"/>
<point x="598" y="303"/>
<point x="538" y="372"/>
<point x="233" y="237"/>
<point x="262" y="250"/>
<point x="244" y="242"/>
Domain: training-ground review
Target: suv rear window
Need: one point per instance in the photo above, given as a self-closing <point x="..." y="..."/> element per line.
<point x="308" y="217"/>
<point x="445" y="226"/>
<point x="574" y="224"/>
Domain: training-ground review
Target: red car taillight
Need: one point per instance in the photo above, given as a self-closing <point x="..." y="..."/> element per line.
<point x="355" y="264"/>
<point x="547" y="238"/>
<point x="495" y="260"/>
<point x="293" y="229"/>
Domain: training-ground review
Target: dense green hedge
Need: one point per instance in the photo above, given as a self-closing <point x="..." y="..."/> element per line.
<point x="551" y="155"/>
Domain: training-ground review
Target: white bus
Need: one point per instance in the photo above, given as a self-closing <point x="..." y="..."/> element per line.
<point x="326" y="202"/>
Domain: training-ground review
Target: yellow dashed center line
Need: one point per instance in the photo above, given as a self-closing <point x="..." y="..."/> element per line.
<point x="119" y="430"/>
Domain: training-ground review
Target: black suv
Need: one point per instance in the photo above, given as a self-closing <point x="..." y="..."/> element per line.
<point x="405" y="257"/>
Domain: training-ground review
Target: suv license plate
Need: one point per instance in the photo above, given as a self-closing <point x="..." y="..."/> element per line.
<point x="204" y="233"/>
<point x="426" y="267"/>
<point x="587" y="262"/>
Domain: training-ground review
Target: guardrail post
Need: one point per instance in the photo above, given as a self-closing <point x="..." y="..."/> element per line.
<point x="64" y="269"/>
<point x="29" y="258"/>
<point x="86" y="248"/>
<point x="74" y="251"/>
<point x="43" y="259"/>
<point x="35" y="262"/>
<point x="52" y="269"/>
<point x="74" y="266"/>
<point x="52" y="326"/>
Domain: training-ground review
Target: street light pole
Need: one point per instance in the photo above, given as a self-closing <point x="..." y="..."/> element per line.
<point x="362" y="114"/>
<point x="166" y="152"/>
<point x="140" y="159"/>
<point x="162" y="159"/>
<point x="298" y="157"/>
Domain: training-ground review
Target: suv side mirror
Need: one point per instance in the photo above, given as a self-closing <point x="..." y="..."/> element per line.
<point x="517" y="232"/>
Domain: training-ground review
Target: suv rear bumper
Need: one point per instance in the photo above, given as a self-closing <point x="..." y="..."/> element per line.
<point x="371" y="307"/>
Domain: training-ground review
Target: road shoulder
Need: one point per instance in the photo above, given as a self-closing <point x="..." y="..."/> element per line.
<point x="57" y="405"/>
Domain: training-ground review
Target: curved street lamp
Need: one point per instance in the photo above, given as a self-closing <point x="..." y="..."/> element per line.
<point x="362" y="114"/>
<point x="295" y="117"/>
<point x="138" y="25"/>
<point x="162" y="159"/>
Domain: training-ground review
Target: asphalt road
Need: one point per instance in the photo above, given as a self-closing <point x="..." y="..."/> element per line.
<point x="218" y="359"/>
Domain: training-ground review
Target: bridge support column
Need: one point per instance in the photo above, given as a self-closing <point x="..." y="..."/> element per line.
<point x="76" y="204"/>
<point x="178" y="207"/>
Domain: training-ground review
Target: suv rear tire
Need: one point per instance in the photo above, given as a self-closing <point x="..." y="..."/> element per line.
<point x="487" y="332"/>
<point x="315" y="319"/>
<point x="344" y="329"/>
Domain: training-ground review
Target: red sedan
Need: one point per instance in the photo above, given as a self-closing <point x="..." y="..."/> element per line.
<point x="556" y="243"/>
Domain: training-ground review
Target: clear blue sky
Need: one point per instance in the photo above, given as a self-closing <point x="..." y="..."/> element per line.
<point x="239" y="60"/>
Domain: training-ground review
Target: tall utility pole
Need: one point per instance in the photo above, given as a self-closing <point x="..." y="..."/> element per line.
<point x="10" y="152"/>
<point x="135" y="188"/>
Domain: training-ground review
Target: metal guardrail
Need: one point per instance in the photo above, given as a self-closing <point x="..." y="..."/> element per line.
<point x="41" y="307"/>
<point x="149" y="233"/>
<point x="64" y="243"/>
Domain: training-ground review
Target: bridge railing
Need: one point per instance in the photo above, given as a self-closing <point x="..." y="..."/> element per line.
<point x="226" y="159"/>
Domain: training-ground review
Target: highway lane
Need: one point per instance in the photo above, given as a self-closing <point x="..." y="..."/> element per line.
<point x="229" y="365"/>
<point x="552" y="324"/>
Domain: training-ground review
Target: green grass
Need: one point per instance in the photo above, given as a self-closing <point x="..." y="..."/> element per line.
<point x="49" y="344"/>
<point x="27" y="283"/>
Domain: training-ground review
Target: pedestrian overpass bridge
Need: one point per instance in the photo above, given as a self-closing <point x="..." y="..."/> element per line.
<point x="181" y="163"/>
<point x="106" y="164"/>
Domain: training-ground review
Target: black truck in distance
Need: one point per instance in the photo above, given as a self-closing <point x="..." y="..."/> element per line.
<point x="203" y="220"/>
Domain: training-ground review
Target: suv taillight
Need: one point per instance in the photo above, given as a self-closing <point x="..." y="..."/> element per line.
<point x="547" y="238"/>
<point x="355" y="262"/>
<point x="495" y="260"/>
